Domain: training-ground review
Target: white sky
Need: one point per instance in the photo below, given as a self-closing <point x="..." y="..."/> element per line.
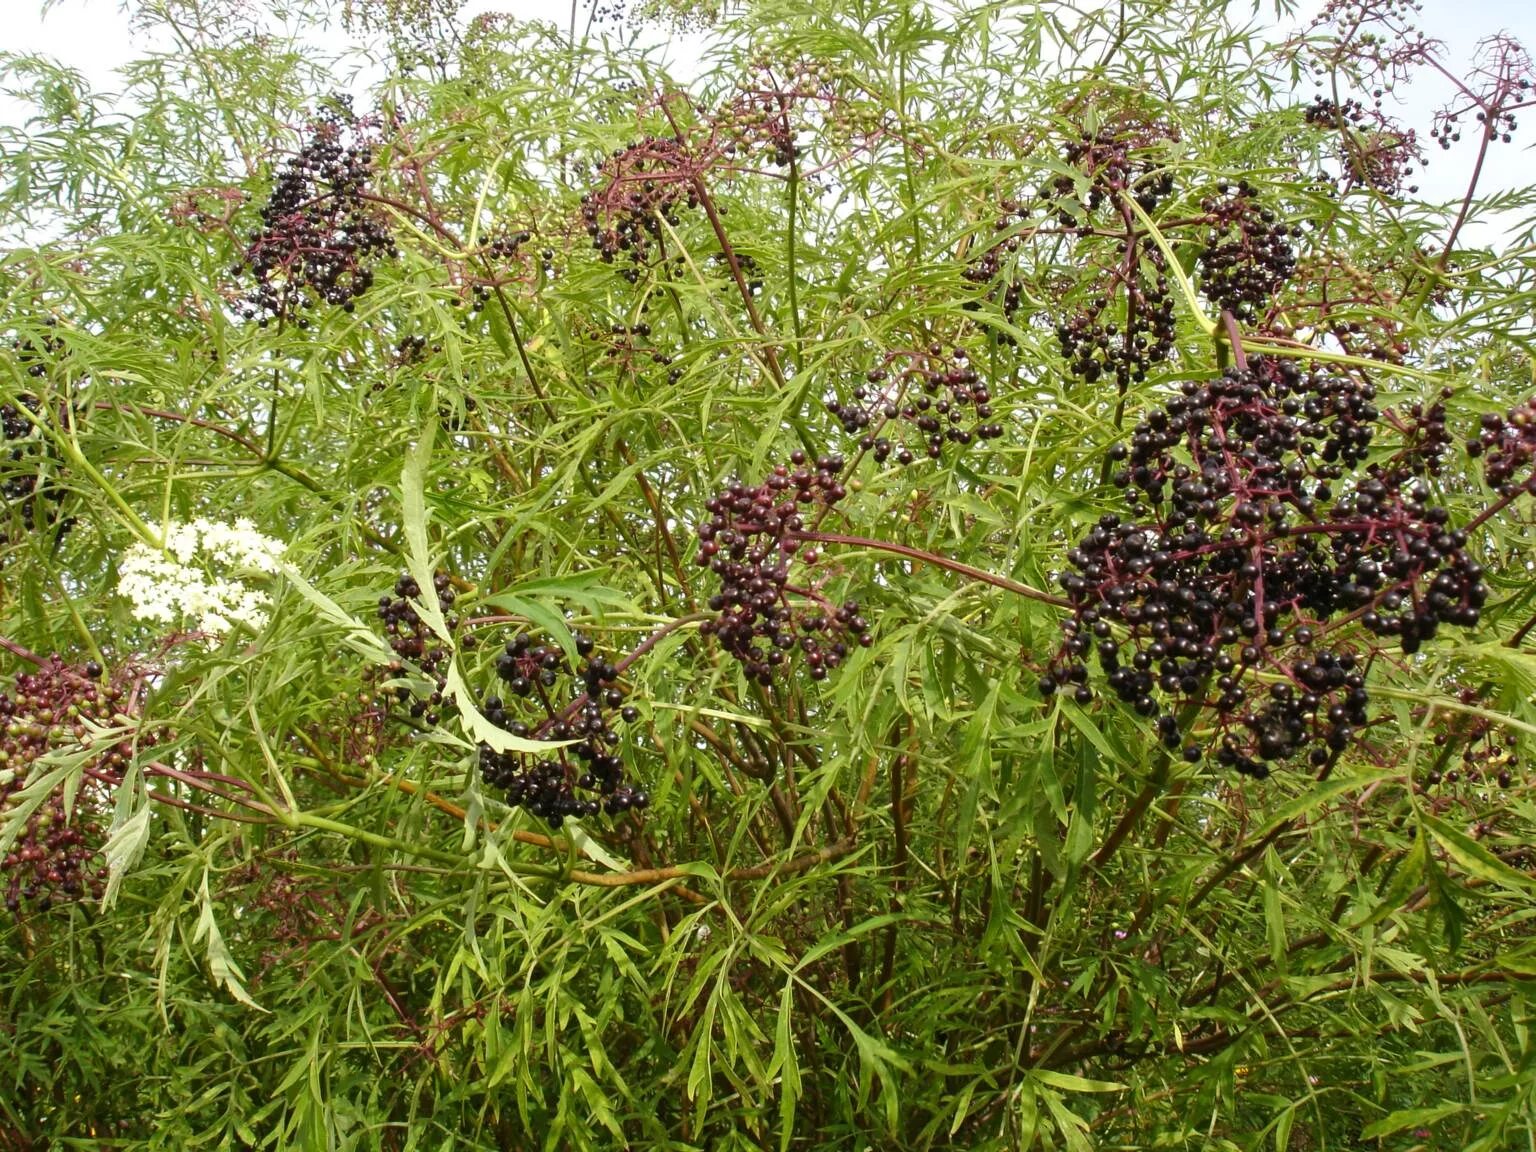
<point x="93" y="36"/>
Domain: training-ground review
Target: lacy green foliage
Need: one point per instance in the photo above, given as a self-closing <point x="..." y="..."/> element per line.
<point x="826" y="359"/>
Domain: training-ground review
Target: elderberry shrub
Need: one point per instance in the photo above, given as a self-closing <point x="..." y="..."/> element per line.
<point x="749" y="542"/>
<point x="935" y="394"/>
<point x="413" y="641"/>
<point x="588" y="712"/>
<point x="1247" y="253"/>
<point x="320" y="238"/>
<point x="54" y="859"/>
<point x="1251" y="538"/>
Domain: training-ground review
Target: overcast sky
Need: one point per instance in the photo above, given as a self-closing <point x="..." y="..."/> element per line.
<point x="93" y="36"/>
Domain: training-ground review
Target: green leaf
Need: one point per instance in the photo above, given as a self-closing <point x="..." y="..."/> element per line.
<point x="1410" y="1118"/>
<point x="1067" y="1082"/>
<point x="1073" y="1128"/>
<point x="1473" y="858"/>
<point x="418" y="556"/>
<point x="786" y="1064"/>
<point x="220" y="963"/>
<point x="123" y="849"/>
<point x="357" y="636"/>
<point x="976" y="756"/>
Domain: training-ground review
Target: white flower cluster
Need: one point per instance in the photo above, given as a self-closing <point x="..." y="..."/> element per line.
<point x="167" y="585"/>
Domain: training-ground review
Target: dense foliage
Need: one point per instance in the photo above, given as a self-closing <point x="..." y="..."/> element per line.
<point x="959" y="578"/>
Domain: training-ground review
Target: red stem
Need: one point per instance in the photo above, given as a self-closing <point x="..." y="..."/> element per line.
<point x="977" y="574"/>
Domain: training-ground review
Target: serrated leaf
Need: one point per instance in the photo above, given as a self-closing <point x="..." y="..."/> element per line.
<point x="1072" y="1127"/>
<point x="1405" y="881"/>
<point x="221" y="964"/>
<point x="976" y="756"/>
<point x="122" y="850"/>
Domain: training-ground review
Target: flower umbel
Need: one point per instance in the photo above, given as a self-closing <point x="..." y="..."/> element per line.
<point x="176" y="582"/>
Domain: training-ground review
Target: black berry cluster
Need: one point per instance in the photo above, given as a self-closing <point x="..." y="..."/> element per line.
<point x="751" y="273"/>
<point x="320" y="238"/>
<point x="26" y="459"/>
<point x="1247" y="254"/>
<point x="1507" y="445"/>
<point x="1122" y="336"/>
<point x="56" y="857"/>
<point x="934" y="392"/>
<point x="1425" y="437"/>
<point x="415" y="643"/>
<point x="412" y="350"/>
<point x="639" y="189"/>
<point x="506" y="245"/>
<point x="1118" y="161"/>
<point x="1374" y="149"/>
<point x="1504" y="78"/>
<point x="1252" y="537"/>
<point x="582" y="703"/>
<point x="750" y="542"/>
<point x="504" y="263"/>
<point x="629" y="344"/>
<point x="1326" y="113"/>
<point x="988" y="266"/>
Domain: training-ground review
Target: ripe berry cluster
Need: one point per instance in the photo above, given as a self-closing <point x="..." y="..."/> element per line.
<point x="547" y="786"/>
<point x="54" y="859"/>
<point x="935" y="392"/>
<point x="1426" y="439"/>
<point x="1326" y="113"/>
<point x="22" y="440"/>
<point x="1247" y="253"/>
<point x="988" y="266"/>
<point x="639" y="188"/>
<point x="1508" y="446"/>
<point x="412" y="350"/>
<point x="35" y="357"/>
<point x="506" y="245"/>
<point x="1447" y="129"/>
<point x="319" y="238"/>
<point x="1505" y="77"/>
<point x="25" y="460"/>
<point x="504" y="263"/>
<point x="413" y="641"/>
<point x="1100" y="340"/>
<point x="1116" y="162"/>
<point x="1252" y="537"/>
<point x="749" y="542"/>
